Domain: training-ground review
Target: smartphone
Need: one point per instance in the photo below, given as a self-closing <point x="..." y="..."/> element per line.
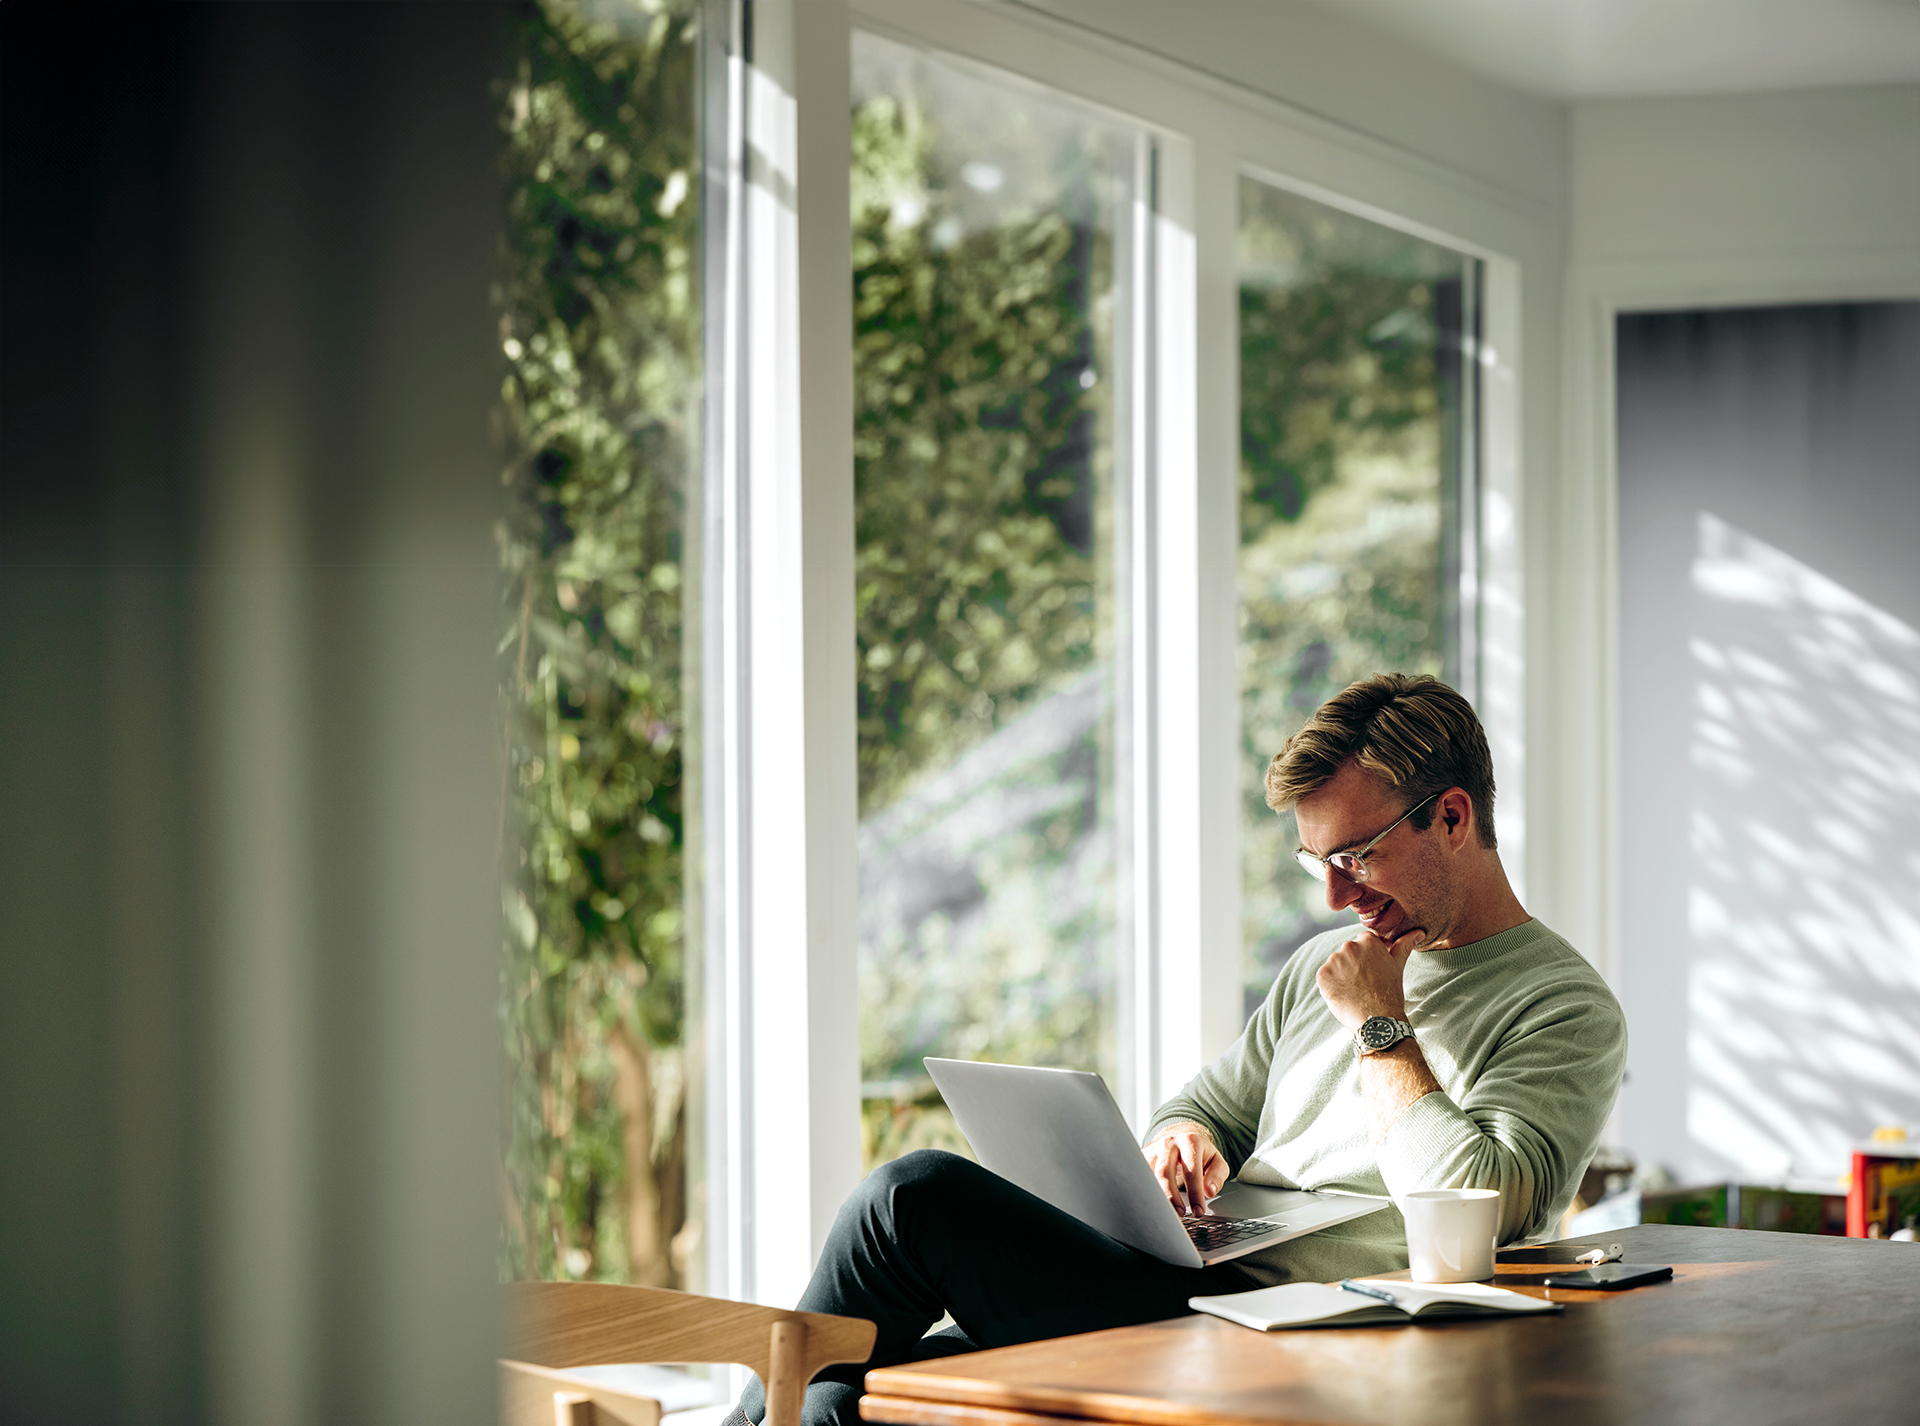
<point x="1607" y="1277"/>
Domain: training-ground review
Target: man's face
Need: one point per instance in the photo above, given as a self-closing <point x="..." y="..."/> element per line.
<point x="1411" y="886"/>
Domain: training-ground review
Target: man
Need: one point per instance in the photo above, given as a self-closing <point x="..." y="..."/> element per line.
<point x="1453" y="1043"/>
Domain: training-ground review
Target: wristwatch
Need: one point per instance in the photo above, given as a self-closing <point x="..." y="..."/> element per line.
<point x="1379" y="1032"/>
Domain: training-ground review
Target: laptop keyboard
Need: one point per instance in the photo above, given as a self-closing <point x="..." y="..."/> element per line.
<point x="1209" y="1233"/>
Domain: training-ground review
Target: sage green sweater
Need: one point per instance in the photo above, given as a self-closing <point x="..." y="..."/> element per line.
<point x="1526" y="1041"/>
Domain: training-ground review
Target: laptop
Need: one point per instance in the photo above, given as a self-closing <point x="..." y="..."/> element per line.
<point x="1059" y="1135"/>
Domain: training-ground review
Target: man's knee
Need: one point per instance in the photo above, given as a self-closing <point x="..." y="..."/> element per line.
<point x="926" y="1168"/>
<point x="924" y="1182"/>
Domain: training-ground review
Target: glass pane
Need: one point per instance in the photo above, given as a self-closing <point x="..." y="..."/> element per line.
<point x="1356" y="395"/>
<point x="599" y="312"/>
<point x="988" y="262"/>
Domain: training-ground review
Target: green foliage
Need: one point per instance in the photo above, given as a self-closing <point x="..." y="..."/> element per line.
<point x="1315" y="389"/>
<point x="916" y="1118"/>
<point x="599" y="323"/>
<point x="1339" y="503"/>
<point x="980" y="525"/>
<point x="1031" y="982"/>
<point x="972" y="602"/>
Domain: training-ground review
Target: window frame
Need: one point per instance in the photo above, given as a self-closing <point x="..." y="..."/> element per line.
<point x="778" y="1012"/>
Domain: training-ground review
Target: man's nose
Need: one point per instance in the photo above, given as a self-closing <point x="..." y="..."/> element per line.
<point x="1341" y="893"/>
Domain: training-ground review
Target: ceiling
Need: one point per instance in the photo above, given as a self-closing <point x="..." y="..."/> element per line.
<point x="1595" y="49"/>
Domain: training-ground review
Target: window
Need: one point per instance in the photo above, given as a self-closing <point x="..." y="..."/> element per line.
<point x="1358" y="533"/>
<point x="1041" y="566"/>
<point x="599" y="316"/>
<point x="991" y="231"/>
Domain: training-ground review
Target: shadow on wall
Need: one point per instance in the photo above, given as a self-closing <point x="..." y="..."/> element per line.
<point x="1804" y="894"/>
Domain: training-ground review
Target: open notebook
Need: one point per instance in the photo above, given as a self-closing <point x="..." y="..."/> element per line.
<point x="1326" y="1304"/>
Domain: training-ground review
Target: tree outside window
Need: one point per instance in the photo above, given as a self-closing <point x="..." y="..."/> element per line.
<point x="599" y="317"/>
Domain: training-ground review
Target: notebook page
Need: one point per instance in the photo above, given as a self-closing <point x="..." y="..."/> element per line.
<point x="1415" y="1295"/>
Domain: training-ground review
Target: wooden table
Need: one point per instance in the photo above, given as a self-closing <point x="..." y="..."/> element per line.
<point x="1754" y="1328"/>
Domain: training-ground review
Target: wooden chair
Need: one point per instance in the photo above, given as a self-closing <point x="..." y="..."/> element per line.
<point x="555" y="1325"/>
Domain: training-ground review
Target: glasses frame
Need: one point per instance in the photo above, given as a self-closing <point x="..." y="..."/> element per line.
<point x="1319" y="868"/>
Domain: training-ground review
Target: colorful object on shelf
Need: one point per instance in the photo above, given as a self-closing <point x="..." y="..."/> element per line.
<point x="1883" y="1191"/>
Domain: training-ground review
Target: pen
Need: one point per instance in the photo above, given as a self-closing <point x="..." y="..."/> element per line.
<point x="1351" y="1286"/>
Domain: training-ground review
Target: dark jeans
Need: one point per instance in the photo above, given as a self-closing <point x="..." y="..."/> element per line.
<point x="933" y="1233"/>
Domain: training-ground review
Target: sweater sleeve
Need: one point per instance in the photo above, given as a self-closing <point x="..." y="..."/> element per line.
<point x="1227" y="1097"/>
<point x="1531" y="1121"/>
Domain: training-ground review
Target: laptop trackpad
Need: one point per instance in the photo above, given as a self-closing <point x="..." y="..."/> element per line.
<point x="1249" y="1200"/>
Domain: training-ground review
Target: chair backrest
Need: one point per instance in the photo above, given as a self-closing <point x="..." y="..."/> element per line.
<point x="535" y="1396"/>
<point x="555" y="1325"/>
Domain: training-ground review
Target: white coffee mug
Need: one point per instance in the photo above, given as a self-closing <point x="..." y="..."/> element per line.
<point x="1451" y="1233"/>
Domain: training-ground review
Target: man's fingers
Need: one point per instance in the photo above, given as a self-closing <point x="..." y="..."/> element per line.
<point x="1216" y="1175"/>
<point x="1206" y="1161"/>
<point x="1193" y="1159"/>
<point x="1189" y="1168"/>
<point x="1185" y="1177"/>
<point x="1171" y="1172"/>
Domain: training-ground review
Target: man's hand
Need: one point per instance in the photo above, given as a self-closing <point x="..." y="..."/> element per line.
<point x="1366" y="977"/>
<point x="1190" y="1169"/>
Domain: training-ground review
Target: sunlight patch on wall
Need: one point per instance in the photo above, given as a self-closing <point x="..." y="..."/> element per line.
<point x="1804" y="889"/>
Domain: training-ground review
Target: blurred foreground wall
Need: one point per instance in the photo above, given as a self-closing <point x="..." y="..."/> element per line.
<point x="248" y="747"/>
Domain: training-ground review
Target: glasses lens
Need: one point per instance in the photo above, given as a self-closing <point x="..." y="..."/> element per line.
<point x="1311" y="865"/>
<point x="1348" y="865"/>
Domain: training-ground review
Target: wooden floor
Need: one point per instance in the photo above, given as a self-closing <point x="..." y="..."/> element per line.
<point x="1754" y="1328"/>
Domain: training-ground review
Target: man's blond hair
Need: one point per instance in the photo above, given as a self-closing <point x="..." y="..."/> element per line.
<point x="1410" y="730"/>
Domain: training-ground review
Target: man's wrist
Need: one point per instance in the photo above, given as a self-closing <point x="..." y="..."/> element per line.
<point x="1403" y="1051"/>
<point x="1378" y="1034"/>
<point x="1174" y="1126"/>
<point x="1362" y="1013"/>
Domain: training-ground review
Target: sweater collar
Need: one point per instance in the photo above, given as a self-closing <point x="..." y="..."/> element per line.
<point x="1443" y="962"/>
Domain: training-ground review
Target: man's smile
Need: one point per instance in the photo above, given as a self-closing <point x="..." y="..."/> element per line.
<point x="1381" y="920"/>
<point x="1374" y="916"/>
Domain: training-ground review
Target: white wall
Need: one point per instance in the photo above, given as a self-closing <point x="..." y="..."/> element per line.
<point x="1680" y="204"/>
<point x="1769" y="734"/>
<point x="1750" y="184"/>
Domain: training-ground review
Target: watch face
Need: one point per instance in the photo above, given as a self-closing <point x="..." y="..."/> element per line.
<point x="1378" y="1032"/>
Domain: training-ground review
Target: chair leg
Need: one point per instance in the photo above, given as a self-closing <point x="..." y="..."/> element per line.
<point x="786" y="1374"/>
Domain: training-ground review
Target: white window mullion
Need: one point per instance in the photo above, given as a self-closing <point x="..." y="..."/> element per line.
<point x="773" y="904"/>
<point x="1216" y="929"/>
<point x="1501" y="589"/>
<point x="723" y="685"/>
<point x="782" y="1073"/>
<point x="1135" y="684"/>
<point x="827" y="819"/>
<point x="1166" y="1028"/>
<point x="1179" y="1046"/>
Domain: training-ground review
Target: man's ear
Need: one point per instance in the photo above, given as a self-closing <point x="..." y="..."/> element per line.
<point x="1456" y="815"/>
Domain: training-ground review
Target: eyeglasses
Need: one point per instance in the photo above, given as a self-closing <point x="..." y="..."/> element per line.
<point x="1351" y="865"/>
